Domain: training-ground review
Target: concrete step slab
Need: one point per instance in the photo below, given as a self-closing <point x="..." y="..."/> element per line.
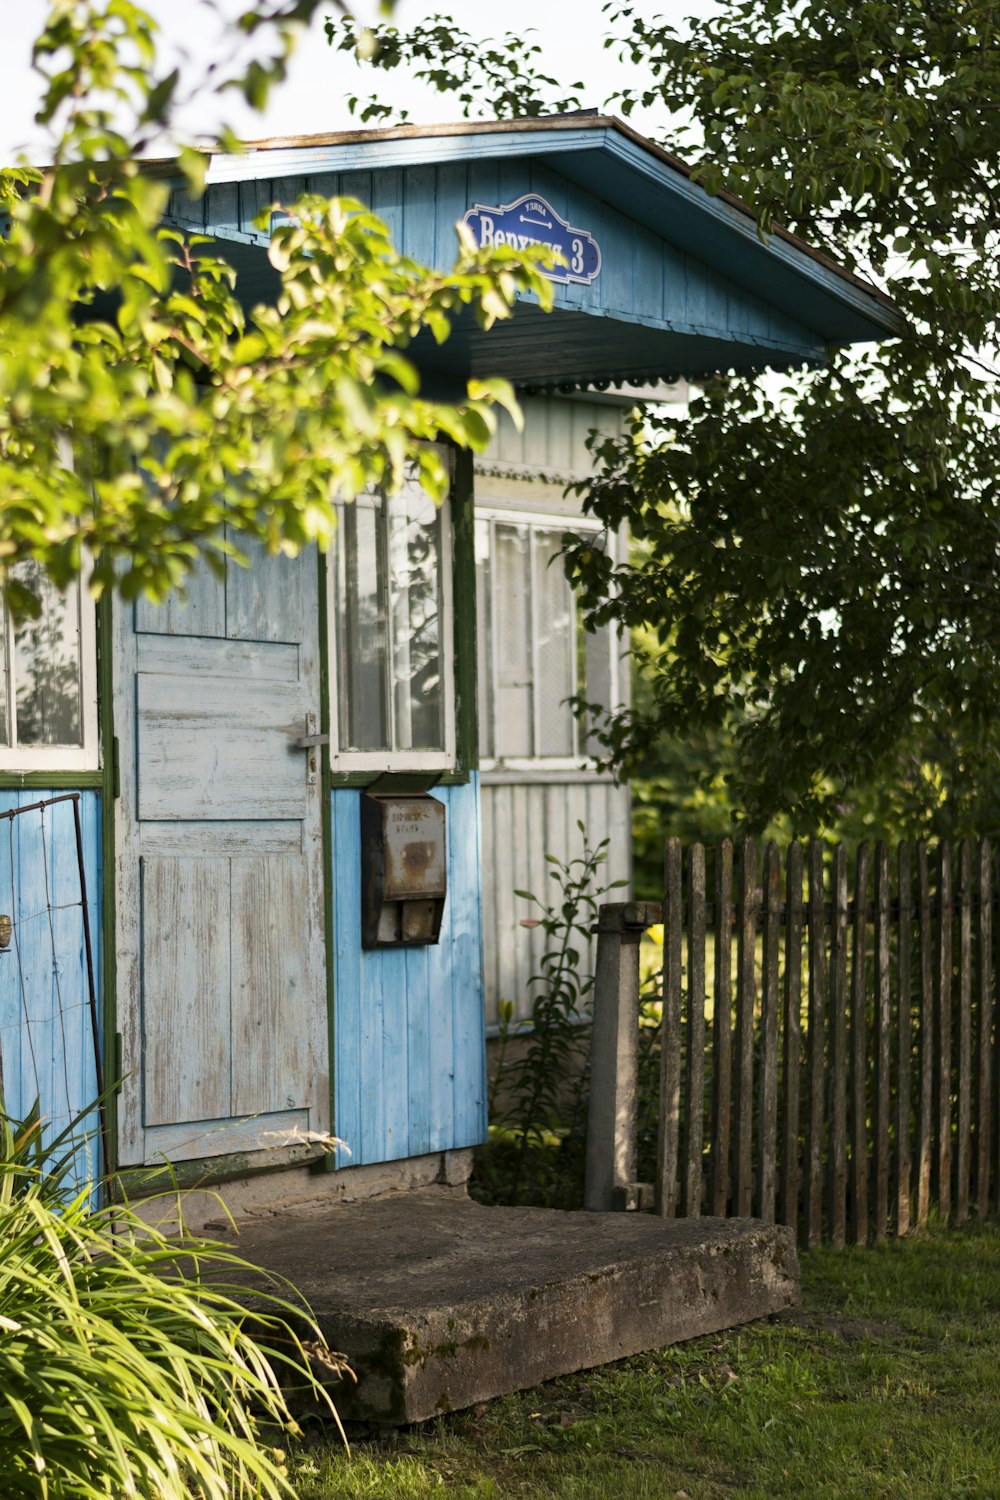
<point x="440" y="1302"/>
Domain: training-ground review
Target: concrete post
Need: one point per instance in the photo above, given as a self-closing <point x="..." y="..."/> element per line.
<point x="614" y="1056"/>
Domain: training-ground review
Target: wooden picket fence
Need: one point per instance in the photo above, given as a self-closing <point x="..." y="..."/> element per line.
<point x="844" y="1081"/>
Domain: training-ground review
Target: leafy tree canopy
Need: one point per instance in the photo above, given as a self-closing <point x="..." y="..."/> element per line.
<point x="818" y="573"/>
<point x="144" y="416"/>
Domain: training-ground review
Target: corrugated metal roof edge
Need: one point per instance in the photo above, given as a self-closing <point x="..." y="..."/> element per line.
<point x="894" y="322"/>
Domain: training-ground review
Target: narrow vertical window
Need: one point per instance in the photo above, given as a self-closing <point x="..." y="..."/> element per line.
<point x="390" y="574"/>
<point x="48" y="712"/>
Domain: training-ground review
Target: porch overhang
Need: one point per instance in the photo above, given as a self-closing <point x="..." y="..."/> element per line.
<point x="686" y="284"/>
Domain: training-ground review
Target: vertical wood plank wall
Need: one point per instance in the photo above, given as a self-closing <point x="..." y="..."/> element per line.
<point x="408" y="1024"/>
<point x="46" y="1040"/>
<point x="525" y="819"/>
<point x="522" y="822"/>
<point x="643" y="274"/>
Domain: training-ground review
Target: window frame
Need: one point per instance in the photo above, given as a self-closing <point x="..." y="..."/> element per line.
<point x="86" y="756"/>
<point x="348" y="762"/>
<point x="560" y="522"/>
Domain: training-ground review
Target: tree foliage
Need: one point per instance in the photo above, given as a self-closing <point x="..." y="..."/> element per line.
<point x="821" y="561"/>
<point x="819" y="573"/>
<point x="144" y="415"/>
<point x="498" y="76"/>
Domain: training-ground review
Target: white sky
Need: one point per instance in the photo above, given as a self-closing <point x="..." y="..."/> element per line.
<point x="312" y="100"/>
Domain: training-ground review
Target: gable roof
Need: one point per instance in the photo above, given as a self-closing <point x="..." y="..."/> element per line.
<point x="687" y="278"/>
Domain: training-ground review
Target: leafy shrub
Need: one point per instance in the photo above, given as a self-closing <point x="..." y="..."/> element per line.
<point x="127" y="1367"/>
<point x="537" y="1143"/>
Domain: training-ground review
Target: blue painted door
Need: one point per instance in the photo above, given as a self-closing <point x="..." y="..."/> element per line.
<point x="221" y="967"/>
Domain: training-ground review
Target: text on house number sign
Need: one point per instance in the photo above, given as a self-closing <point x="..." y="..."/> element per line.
<point x="532" y="220"/>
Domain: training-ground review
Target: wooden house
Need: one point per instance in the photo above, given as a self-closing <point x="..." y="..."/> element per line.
<point x="255" y="759"/>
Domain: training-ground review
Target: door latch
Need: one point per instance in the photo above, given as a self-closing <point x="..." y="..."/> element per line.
<point x="310" y="742"/>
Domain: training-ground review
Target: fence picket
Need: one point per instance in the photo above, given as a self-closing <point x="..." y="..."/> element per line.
<point x="838" y="1072"/>
<point x="694" y="1095"/>
<point x="925" y="1106"/>
<point x="882" y="1041"/>
<point x="984" y="1027"/>
<point x="815" y="1051"/>
<point x="941" y="1178"/>
<point x="859" y="1071"/>
<point x="767" y="1134"/>
<point x="746" y="924"/>
<point x="722" y="1035"/>
<point x="963" y="1145"/>
<point x="791" y="1042"/>
<point x="904" y="1041"/>
<point x="668" y="1133"/>
<point x="995" y="1069"/>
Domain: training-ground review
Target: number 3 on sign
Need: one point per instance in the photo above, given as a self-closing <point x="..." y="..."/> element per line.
<point x="576" y="264"/>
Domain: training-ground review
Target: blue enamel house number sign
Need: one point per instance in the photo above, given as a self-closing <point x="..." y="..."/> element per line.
<point x="532" y="220"/>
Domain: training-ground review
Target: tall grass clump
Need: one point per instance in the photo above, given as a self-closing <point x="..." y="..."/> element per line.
<point x="127" y="1366"/>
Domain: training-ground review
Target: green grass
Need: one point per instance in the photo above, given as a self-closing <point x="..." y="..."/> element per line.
<point x="886" y="1383"/>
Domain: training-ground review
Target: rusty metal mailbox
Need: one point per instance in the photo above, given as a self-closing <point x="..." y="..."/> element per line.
<point x="403" y="869"/>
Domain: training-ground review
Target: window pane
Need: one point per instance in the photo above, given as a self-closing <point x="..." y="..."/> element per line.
<point x="512" y="618"/>
<point x="362" y="634"/>
<point x="555" y="620"/>
<point x="597" y="648"/>
<point x="415" y="602"/>
<point x="47" y="687"/>
<point x="484" y="646"/>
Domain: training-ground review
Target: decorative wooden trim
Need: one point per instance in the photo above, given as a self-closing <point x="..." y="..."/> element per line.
<point x="325" y="687"/>
<point x="464" y="623"/>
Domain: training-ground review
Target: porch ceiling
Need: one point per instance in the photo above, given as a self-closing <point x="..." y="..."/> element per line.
<point x="567" y="346"/>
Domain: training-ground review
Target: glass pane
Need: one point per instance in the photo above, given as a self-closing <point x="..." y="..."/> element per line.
<point x="512" y="617"/>
<point x="484" y="646"/>
<point x="555" y="622"/>
<point x="362" y="634"/>
<point x="597" y="647"/>
<point x="4" y="679"/>
<point x="415" y="603"/>
<point x="47" y="687"/>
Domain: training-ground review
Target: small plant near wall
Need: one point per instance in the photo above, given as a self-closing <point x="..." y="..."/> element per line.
<point x="127" y="1366"/>
<point x="538" y="1099"/>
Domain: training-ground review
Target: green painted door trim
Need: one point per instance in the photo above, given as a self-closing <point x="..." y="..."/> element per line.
<point x="207" y="1171"/>
<point x="56" y="781"/>
<point x="109" y="984"/>
<point x="322" y="563"/>
<point x="463" y="522"/>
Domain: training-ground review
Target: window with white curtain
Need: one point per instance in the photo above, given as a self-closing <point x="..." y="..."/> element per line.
<point x="48" y="713"/>
<point x="534" y="654"/>
<point x="390" y="598"/>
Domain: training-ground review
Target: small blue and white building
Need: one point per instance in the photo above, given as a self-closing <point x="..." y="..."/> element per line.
<point x="225" y="743"/>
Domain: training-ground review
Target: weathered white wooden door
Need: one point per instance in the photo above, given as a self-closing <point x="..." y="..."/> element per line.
<point x="221" y="968"/>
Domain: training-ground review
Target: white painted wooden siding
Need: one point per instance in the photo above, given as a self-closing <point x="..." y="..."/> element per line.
<point x="552" y="445"/>
<point x="522" y="821"/>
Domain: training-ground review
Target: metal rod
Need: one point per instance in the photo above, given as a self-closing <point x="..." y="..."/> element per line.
<point x="91" y="986"/>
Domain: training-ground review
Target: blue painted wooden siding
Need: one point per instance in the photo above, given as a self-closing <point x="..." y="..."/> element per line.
<point x="408" y="1024"/>
<point x="46" y="1039"/>
<point x="644" y="279"/>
